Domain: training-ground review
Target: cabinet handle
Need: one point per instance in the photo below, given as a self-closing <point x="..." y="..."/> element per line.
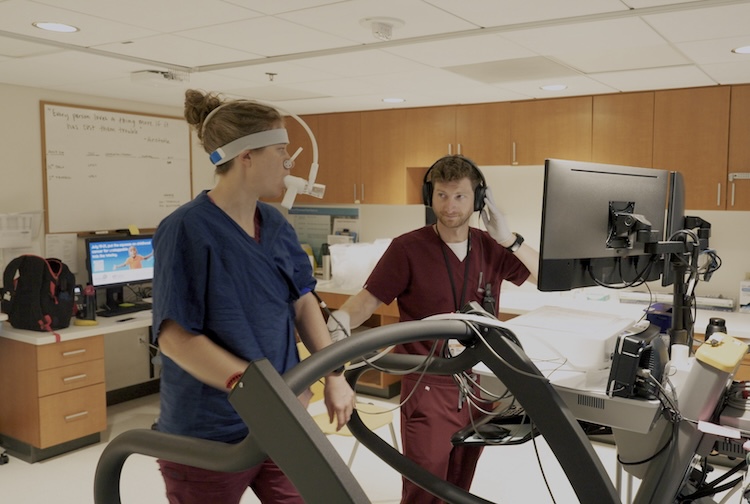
<point x="459" y="149"/>
<point x="74" y="378"/>
<point x="450" y="149"/>
<point x="732" y="193"/>
<point x="75" y="416"/>
<point x="718" y="194"/>
<point x="362" y="191"/>
<point x="74" y="352"/>
<point x="513" y="161"/>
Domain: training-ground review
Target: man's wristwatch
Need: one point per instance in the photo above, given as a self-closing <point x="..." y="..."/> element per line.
<point x="516" y="244"/>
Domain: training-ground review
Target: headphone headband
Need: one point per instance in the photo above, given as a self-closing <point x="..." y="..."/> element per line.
<point x="479" y="191"/>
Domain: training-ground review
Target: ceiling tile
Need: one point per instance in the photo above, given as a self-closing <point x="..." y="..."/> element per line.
<point x="655" y="78"/>
<point x="276" y="7"/>
<point x="18" y="48"/>
<point x="461" y="50"/>
<point x="623" y="58"/>
<point x="16" y="16"/>
<point x="702" y="24"/>
<point x="508" y="12"/>
<point x="576" y="85"/>
<point x="266" y="36"/>
<point x="65" y="67"/>
<point x="343" y="19"/>
<point x="729" y="73"/>
<point x="178" y="51"/>
<point x="162" y="16"/>
<point x="282" y="73"/>
<point x="585" y="37"/>
<point x="514" y="70"/>
<point x="359" y="63"/>
<point x="715" y="51"/>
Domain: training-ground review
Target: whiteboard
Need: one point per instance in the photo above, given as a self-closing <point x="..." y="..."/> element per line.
<point x="107" y="169"/>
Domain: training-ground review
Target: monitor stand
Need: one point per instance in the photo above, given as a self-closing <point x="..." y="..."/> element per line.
<point x="114" y="297"/>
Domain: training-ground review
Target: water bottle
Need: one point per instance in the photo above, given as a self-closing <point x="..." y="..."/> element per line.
<point x="325" y="259"/>
<point x="89" y="295"/>
<point x="715" y="324"/>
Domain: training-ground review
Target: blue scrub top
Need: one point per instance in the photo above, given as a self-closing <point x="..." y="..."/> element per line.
<point x="212" y="278"/>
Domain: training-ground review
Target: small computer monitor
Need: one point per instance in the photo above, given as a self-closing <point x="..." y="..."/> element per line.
<point x="116" y="261"/>
<point x="596" y="220"/>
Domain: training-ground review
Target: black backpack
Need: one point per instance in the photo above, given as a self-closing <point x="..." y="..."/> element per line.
<point x="38" y="293"/>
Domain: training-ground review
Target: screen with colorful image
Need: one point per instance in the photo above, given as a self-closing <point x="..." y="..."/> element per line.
<point x="119" y="260"/>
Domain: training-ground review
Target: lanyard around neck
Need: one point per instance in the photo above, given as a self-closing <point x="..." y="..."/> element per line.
<point x="443" y="246"/>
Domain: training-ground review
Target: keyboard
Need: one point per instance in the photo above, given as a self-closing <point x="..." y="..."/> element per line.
<point x="124" y="310"/>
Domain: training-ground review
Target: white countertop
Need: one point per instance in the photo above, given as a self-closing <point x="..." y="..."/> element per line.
<point x="520" y="300"/>
<point x="105" y="325"/>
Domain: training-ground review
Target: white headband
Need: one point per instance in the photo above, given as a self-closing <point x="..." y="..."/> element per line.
<point x="252" y="141"/>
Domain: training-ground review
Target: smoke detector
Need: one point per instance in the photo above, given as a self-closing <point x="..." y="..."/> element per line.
<point x="382" y="27"/>
<point x="159" y="77"/>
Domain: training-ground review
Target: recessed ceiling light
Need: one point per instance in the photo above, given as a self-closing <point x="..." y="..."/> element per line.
<point x="394" y="100"/>
<point x="554" y="87"/>
<point x="55" y="27"/>
<point x="742" y="50"/>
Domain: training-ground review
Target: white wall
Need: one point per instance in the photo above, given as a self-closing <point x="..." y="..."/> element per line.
<point x="21" y="185"/>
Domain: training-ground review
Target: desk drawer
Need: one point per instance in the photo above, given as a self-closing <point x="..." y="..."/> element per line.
<point x="62" y="379"/>
<point x="71" y="415"/>
<point x="69" y="352"/>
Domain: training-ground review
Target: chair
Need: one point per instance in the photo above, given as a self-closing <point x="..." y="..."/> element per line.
<point x="373" y="416"/>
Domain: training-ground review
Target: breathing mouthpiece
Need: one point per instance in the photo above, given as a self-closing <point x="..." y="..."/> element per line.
<point x="295" y="185"/>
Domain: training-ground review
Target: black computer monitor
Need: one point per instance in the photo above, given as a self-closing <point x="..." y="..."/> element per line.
<point x="116" y="261"/>
<point x="675" y="220"/>
<point x="596" y="220"/>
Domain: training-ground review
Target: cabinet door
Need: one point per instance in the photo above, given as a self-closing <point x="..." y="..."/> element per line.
<point x="430" y="134"/>
<point x="338" y="137"/>
<point x="383" y="172"/>
<point x="483" y="133"/>
<point x="738" y="197"/>
<point x="691" y="135"/>
<point x="557" y="128"/>
<point x="623" y="129"/>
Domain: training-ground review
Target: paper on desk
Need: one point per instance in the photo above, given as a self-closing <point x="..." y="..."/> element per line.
<point x="63" y="246"/>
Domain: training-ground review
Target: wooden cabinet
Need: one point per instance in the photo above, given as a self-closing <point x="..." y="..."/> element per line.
<point x="52" y="394"/>
<point x="623" y="129"/>
<point x="738" y="189"/>
<point x="480" y="132"/>
<point x="338" y="137"/>
<point x="483" y="133"/>
<point x="383" y="157"/>
<point x="371" y="382"/>
<point x="430" y="134"/>
<point x="691" y="135"/>
<point x="556" y="128"/>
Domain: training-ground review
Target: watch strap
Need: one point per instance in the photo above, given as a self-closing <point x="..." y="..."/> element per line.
<point x="516" y="244"/>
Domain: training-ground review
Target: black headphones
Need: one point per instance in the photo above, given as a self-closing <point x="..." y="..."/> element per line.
<point x="479" y="192"/>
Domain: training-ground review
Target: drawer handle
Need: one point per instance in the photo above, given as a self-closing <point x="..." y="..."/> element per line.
<point x="75" y="416"/>
<point x="74" y="352"/>
<point x="74" y="378"/>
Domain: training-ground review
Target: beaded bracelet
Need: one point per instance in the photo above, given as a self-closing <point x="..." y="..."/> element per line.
<point x="233" y="380"/>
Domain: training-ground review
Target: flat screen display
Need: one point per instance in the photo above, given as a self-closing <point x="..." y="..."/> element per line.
<point x="120" y="260"/>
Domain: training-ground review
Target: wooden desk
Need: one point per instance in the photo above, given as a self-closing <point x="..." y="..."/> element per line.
<point x="53" y="392"/>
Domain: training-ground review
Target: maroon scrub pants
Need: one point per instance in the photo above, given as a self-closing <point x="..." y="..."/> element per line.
<point x="191" y="485"/>
<point x="428" y="420"/>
